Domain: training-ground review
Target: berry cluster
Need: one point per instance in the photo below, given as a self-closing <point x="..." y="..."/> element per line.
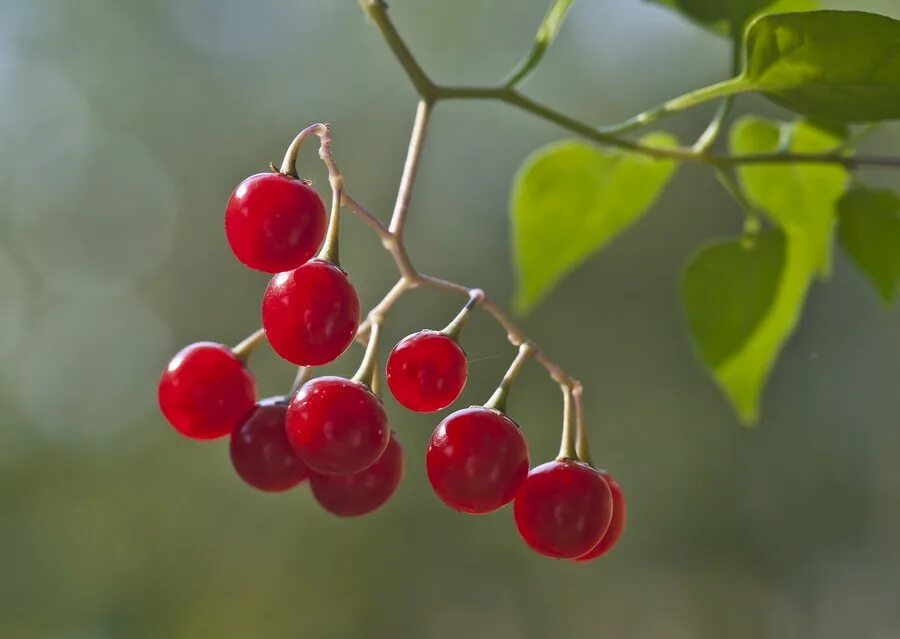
<point x="333" y="431"/>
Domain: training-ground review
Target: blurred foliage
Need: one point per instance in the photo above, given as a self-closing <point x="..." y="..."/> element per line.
<point x="123" y="127"/>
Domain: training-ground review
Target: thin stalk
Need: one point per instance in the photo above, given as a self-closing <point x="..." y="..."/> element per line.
<point x="367" y="369"/>
<point x="410" y="167"/>
<point x="582" y="446"/>
<point x="567" y="443"/>
<point x="454" y="328"/>
<point x="712" y="131"/>
<point x="245" y="348"/>
<point x="500" y="396"/>
<point x="330" y="247"/>
<point x="302" y="376"/>
<point x="546" y="33"/>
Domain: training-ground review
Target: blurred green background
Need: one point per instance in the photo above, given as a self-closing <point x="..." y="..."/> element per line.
<point x="124" y="125"/>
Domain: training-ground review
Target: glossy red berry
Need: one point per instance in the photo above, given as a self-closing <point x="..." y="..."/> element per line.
<point x="427" y="371"/>
<point x="563" y="509"/>
<point x="261" y="453"/>
<point x="205" y="391"/>
<point x="274" y="222"/>
<point x="337" y="426"/>
<point x="476" y="460"/>
<point x="616" y="525"/>
<point x="310" y="314"/>
<point x="362" y="492"/>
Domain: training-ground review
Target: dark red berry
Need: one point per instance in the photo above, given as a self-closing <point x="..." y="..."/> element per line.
<point x="616" y="525"/>
<point x="274" y="222"/>
<point x="362" y="492"/>
<point x="261" y="453"/>
<point x="205" y="391"/>
<point x="477" y="459"/>
<point x="563" y="509"/>
<point x="426" y="371"/>
<point x="310" y="314"/>
<point x="337" y="426"/>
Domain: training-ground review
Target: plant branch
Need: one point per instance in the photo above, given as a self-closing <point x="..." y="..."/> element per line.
<point x="377" y="11"/>
<point x="408" y="179"/>
<point x="714" y="128"/>
<point x="609" y="135"/>
<point x="546" y="33"/>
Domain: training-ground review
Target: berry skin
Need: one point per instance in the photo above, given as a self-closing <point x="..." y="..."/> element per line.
<point x="477" y="459"/>
<point x="337" y="426"/>
<point x="427" y="371"/>
<point x="310" y="314"/>
<point x="362" y="492"/>
<point x="205" y="391"/>
<point x="563" y="509"/>
<point x="616" y="525"/>
<point x="261" y="453"/>
<point x="274" y="222"/>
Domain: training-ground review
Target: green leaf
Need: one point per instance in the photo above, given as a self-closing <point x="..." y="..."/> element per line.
<point x="833" y="65"/>
<point x="870" y="233"/>
<point x="800" y="198"/>
<point x="728" y="17"/>
<point x="742" y="299"/>
<point x="570" y="200"/>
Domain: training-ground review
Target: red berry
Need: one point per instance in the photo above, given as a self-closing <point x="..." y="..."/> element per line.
<point x="477" y="459"/>
<point x="615" y="525"/>
<point x="310" y="314"/>
<point x="274" y="222"/>
<point x="337" y="426"/>
<point x="362" y="492"/>
<point x="563" y="509"/>
<point x="426" y="371"/>
<point x="205" y="391"/>
<point x="261" y="453"/>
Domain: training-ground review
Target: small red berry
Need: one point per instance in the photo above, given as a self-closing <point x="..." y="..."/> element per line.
<point x="274" y="222"/>
<point x="310" y="314"/>
<point x="205" y="391"/>
<point x="337" y="426"/>
<point x="616" y="525"/>
<point x="427" y="371"/>
<point x="476" y="460"/>
<point x="261" y="453"/>
<point x="362" y="492"/>
<point x="563" y="509"/>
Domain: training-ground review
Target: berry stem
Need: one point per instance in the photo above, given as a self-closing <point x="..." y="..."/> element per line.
<point x="368" y="368"/>
<point x="289" y="163"/>
<point x="582" y="446"/>
<point x="302" y="376"/>
<point x="498" y="399"/>
<point x="329" y="251"/>
<point x="249" y="344"/>
<point x="567" y="445"/>
<point x="454" y="328"/>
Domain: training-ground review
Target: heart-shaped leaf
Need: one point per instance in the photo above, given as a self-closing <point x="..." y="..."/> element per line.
<point x="870" y="233"/>
<point x="569" y="200"/>
<point x="743" y="299"/>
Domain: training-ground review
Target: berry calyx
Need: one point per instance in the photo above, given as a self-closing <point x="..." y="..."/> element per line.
<point x="563" y="509"/>
<point x="476" y="460"/>
<point x="310" y="314"/>
<point x="206" y="391"/>
<point x="274" y="222"/>
<point x="616" y="525"/>
<point x="362" y="492"/>
<point x="427" y="371"/>
<point x="260" y="451"/>
<point x="337" y="426"/>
